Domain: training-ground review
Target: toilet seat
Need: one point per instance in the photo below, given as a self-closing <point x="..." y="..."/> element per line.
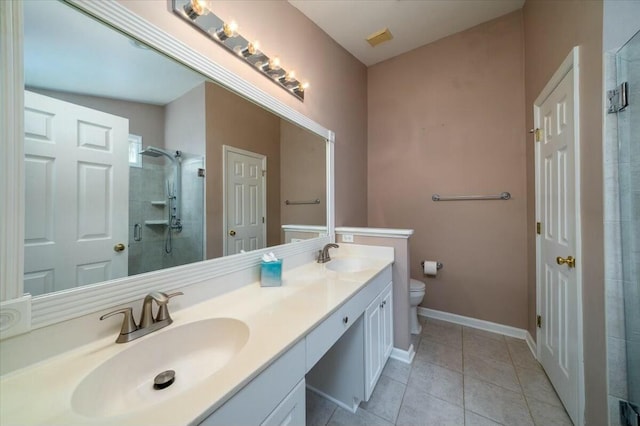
<point x="416" y="286"/>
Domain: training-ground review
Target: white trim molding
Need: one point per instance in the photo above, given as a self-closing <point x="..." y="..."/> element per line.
<point x="402" y="355"/>
<point x="375" y="232"/>
<point x="11" y="152"/>
<point x="493" y="327"/>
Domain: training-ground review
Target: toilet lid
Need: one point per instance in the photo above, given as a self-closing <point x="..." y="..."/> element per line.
<point x="415" y="285"/>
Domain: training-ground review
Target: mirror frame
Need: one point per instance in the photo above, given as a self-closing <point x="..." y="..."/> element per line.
<point x="20" y="313"/>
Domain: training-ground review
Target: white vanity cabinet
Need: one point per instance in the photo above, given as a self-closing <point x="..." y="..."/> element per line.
<point x="342" y="358"/>
<point x="275" y="397"/>
<point x="378" y="337"/>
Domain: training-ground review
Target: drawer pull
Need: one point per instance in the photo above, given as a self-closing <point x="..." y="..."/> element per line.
<point x="345" y="320"/>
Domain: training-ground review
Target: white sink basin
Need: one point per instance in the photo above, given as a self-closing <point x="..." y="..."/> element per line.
<point x="352" y="264"/>
<point x="194" y="351"/>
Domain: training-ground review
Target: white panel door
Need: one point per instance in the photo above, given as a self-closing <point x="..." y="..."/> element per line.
<point x="245" y="222"/>
<point x="76" y="195"/>
<point x="558" y="338"/>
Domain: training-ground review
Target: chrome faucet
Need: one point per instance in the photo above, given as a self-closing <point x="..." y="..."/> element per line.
<point x="148" y="324"/>
<point x="323" y="255"/>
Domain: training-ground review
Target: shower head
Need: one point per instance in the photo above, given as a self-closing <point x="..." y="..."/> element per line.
<point x="152" y="151"/>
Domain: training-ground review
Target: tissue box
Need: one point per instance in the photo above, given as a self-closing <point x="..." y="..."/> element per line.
<point x="271" y="273"/>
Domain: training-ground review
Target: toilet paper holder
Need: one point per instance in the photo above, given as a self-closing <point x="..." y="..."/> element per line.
<point x="439" y="265"/>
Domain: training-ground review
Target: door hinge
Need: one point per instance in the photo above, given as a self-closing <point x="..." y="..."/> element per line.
<point x="538" y="228"/>
<point x="262" y="219"/>
<point x="537" y="134"/>
<point x="264" y="173"/>
<point x="618" y="98"/>
<point x="200" y="172"/>
<point x="539" y="321"/>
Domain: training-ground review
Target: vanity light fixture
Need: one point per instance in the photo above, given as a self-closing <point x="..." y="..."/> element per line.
<point x="199" y="14"/>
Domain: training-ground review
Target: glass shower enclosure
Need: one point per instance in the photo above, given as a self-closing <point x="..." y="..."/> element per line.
<point x="628" y="71"/>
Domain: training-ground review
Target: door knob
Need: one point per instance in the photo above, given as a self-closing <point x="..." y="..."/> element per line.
<point x="232" y="233"/>
<point x="570" y="261"/>
<point x="119" y="247"/>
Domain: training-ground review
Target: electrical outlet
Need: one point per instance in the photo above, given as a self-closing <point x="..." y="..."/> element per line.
<point x="347" y="238"/>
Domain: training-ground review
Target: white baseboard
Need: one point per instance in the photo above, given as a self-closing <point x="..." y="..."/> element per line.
<point x="402" y="355"/>
<point x="351" y="409"/>
<point x="506" y="330"/>
<point x="532" y="345"/>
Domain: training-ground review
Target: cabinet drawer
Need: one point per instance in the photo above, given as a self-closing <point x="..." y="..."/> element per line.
<point x="321" y="338"/>
<point x="253" y="403"/>
<point x="291" y="411"/>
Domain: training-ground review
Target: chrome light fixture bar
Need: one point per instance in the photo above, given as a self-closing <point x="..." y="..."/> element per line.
<point x="198" y="13"/>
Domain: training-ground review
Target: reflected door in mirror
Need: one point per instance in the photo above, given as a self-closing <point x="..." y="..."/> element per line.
<point x="76" y="200"/>
<point x="244" y="200"/>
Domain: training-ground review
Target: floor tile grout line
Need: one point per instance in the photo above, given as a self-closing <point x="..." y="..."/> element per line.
<point x="395" y="421"/>
<point x="521" y="387"/>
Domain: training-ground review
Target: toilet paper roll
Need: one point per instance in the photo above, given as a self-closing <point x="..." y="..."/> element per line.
<point x="430" y="267"/>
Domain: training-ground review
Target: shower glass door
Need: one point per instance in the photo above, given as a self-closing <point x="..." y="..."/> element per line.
<point x="628" y="70"/>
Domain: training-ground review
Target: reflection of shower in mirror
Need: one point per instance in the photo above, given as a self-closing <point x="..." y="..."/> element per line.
<point x="173" y="192"/>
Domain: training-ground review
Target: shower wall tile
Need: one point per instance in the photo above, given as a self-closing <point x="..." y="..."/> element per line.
<point x="611" y="193"/>
<point x="613" y="251"/>
<point x="614" y="302"/>
<point x="617" y="367"/>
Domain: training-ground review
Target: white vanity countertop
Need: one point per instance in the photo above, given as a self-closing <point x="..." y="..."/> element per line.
<point x="277" y="318"/>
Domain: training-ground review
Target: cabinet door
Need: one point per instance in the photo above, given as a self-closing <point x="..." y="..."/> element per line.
<point x="372" y="345"/>
<point x="291" y="411"/>
<point x="387" y="322"/>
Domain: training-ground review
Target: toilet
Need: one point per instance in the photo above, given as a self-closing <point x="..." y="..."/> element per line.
<point x="416" y="294"/>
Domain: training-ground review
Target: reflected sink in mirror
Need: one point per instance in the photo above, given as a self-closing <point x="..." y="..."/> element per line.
<point x="353" y="264"/>
<point x="125" y="382"/>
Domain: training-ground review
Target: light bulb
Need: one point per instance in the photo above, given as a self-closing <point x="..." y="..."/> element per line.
<point x="273" y="64"/>
<point x="250" y="50"/>
<point x="228" y="30"/>
<point x="305" y="85"/>
<point x="196" y="8"/>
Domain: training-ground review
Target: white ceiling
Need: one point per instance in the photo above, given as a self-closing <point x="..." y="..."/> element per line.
<point x="413" y="23"/>
<point x="83" y="56"/>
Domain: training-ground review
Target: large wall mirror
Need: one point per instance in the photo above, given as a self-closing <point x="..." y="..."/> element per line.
<point x="135" y="162"/>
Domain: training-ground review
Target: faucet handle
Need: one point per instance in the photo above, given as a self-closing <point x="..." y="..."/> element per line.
<point x="163" y="310"/>
<point x="128" y="323"/>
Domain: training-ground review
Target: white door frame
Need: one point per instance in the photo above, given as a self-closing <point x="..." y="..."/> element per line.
<point x="225" y="151"/>
<point x="570" y="62"/>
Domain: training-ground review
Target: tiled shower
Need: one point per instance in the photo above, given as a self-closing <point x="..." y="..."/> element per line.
<point x="622" y="232"/>
<point x="149" y="249"/>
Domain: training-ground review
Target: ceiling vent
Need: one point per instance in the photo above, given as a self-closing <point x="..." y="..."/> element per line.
<point x="379" y="37"/>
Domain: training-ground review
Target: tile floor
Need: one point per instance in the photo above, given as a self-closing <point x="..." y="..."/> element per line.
<point x="460" y="376"/>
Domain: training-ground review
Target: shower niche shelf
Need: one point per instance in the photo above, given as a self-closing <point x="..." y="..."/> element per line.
<point x="159" y="203"/>
<point x="156" y="222"/>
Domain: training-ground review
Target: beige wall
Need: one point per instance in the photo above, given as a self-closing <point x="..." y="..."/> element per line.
<point x="185" y="122"/>
<point x="552" y="29"/>
<point x="234" y="121"/>
<point x="448" y="118"/>
<point x="337" y="98"/>
<point x="302" y="176"/>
